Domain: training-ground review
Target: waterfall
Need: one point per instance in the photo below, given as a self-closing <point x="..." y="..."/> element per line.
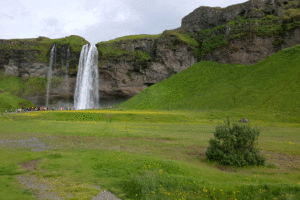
<point x="86" y="91"/>
<point x="67" y="68"/>
<point x="51" y="62"/>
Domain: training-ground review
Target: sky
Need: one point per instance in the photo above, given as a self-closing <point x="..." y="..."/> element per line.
<point x="95" y="20"/>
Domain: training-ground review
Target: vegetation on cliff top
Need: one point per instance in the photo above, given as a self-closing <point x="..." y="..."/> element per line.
<point x="213" y="38"/>
<point x="268" y="86"/>
<point x="113" y="49"/>
<point x="43" y="45"/>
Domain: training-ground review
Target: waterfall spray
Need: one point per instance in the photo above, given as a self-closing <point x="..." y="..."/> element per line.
<point x="51" y="62"/>
<point x="86" y="91"/>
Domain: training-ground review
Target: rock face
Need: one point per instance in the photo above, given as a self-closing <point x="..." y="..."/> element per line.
<point x="24" y="63"/>
<point x="124" y="77"/>
<point x="251" y="41"/>
<point x="253" y="50"/>
<point x="207" y="17"/>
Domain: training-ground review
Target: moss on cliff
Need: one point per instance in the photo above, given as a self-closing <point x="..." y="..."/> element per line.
<point x="132" y="38"/>
<point x="241" y="27"/>
<point x="42" y="46"/>
<point x="113" y="49"/>
<point x="182" y="35"/>
<point x="23" y="87"/>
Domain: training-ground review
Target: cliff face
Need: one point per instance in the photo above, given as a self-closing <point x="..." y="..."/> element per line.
<point x="28" y="58"/>
<point x="244" y="33"/>
<point x="239" y="34"/>
<point x="207" y="17"/>
<point x="148" y="61"/>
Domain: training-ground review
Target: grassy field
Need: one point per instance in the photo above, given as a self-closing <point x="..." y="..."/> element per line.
<point x="153" y="145"/>
<point x="138" y="158"/>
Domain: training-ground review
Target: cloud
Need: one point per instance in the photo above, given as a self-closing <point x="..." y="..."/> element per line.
<point x="51" y="22"/>
<point x="94" y="20"/>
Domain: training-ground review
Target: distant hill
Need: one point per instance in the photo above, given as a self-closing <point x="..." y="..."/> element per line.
<point x="272" y="84"/>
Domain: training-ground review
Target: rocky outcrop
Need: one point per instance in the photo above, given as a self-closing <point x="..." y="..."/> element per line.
<point x="252" y="49"/>
<point x="207" y="17"/>
<point x="124" y="76"/>
<point x="246" y="41"/>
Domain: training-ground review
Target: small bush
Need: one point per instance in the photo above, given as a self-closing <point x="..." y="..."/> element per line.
<point x="234" y="145"/>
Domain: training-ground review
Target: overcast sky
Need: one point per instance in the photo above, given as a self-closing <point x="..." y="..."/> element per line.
<point x="95" y="20"/>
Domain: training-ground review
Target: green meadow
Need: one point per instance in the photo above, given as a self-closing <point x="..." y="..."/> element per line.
<point x="153" y="145"/>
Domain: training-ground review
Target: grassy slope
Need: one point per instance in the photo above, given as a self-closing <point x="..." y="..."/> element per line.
<point x="9" y="101"/>
<point x="270" y="85"/>
<point x="15" y="87"/>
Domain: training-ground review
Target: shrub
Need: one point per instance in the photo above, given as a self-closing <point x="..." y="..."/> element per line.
<point x="235" y="145"/>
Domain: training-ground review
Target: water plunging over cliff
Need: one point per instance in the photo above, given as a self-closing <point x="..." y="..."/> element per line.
<point x="51" y="62"/>
<point x="86" y="91"/>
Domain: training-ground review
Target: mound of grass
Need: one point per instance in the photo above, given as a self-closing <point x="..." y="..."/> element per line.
<point x="269" y="85"/>
<point x="23" y="86"/>
<point x="9" y="101"/>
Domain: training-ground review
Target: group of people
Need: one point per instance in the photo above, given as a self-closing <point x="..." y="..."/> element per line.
<point x="18" y="110"/>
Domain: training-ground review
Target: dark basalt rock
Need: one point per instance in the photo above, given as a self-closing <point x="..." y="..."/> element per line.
<point x="207" y="17"/>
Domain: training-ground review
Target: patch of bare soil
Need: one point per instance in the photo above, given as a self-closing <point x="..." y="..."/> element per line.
<point x="34" y="143"/>
<point x="284" y="161"/>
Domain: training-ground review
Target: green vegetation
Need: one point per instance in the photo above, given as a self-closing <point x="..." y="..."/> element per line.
<point x="23" y="86"/>
<point x="268" y="85"/>
<point x="163" y="156"/>
<point x="138" y="158"/>
<point x="182" y="35"/>
<point x="131" y="38"/>
<point x="111" y="49"/>
<point x="235" y="145"/>
<point x="43" y="45"/>
<point x="9" y="101"/>
<point x="242" y="27"/>
<point x="153" y="146"/>
<point x="141" y="56"/>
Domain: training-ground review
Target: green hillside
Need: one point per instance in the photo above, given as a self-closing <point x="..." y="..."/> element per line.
<point x="271" y="85"/>
<point x="9" y="101"/>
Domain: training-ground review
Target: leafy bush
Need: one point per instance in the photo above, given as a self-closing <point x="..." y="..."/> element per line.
<point x="235" y="145"/>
